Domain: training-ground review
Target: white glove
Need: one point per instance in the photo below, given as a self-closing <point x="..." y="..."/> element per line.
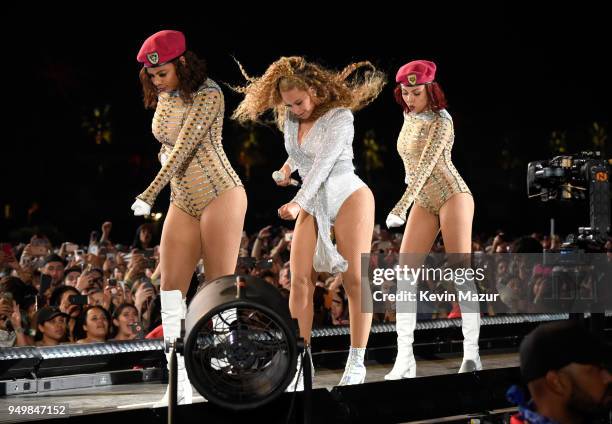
<point x="141" y="207"/>
<point x="163" y="158"/>
<point x="394" y="221"/>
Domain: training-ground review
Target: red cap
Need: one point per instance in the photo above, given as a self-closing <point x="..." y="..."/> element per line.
<point x="416" y="72"/>
<point x="161" y="48"/>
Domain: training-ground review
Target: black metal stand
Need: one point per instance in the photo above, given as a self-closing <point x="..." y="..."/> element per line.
<point x="176" y="347"/>
<point x="307" y="399"/>
<point x="172" y="386"/>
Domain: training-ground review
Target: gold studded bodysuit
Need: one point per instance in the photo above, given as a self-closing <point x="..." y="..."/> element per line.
<point x="425" y="144"/>
<point x="192" y="156"/>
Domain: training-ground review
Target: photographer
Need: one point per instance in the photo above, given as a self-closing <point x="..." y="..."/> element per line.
<point x="53" y="266"/>
<point x="70" y="302"/>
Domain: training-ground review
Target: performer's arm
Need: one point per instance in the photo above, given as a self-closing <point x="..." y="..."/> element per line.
<point x="440" y="134"/>
<point x="206" y="105"/>
<point x="291" y="165"/>
<point x="339" y="134"/>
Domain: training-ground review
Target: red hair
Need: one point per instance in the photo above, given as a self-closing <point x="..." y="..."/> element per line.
<point x="435" y="97"/>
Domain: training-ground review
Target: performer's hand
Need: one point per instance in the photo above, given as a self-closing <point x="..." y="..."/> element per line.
<point x="284" y="179"/>
<point x="163" y="158"/>
<point x="289" y="211"/>
<point x="141" y="207"/>
<point x="394" y="221"/>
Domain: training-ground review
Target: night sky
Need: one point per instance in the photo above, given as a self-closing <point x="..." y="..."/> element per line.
<point x="512" y="78"/>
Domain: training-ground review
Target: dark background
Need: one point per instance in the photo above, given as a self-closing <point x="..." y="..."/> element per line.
<point x="512" y="77"/>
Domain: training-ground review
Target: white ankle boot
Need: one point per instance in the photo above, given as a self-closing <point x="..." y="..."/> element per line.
<point x="405" y="364"/>
<point x="297" y="384"/>
<point x="355" y="370"/>
<point x="173" y="310"/>
<point x="470" y="326"/>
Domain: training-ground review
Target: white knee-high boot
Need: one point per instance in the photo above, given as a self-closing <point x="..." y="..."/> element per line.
<point x="173" y="310"/>
<point x="405" y="323"/>
<point x="405" y="364"/>
<point x="470" y="327"/>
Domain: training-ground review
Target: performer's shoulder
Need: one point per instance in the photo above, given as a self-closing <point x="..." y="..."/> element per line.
<point x="443" y="114"/>
<point x="209" y="86"/>
<point x="339" y="114"/>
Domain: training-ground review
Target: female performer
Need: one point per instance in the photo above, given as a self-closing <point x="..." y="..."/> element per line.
<point x="207" y="202"/>
<point x="440" y="200"/>
<point x="313" y="107"/>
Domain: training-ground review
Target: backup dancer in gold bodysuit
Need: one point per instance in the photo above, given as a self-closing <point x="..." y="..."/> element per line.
<point x="208" y="202"/>
<point x="440" y="200"/>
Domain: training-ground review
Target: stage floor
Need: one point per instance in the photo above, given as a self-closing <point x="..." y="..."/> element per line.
<point x="144" y="395"/>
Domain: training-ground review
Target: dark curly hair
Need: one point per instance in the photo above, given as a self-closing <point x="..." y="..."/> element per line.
<point x="191" y="76"/>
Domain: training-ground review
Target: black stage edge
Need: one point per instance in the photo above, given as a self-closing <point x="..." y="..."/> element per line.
<point x="475" y="394"/>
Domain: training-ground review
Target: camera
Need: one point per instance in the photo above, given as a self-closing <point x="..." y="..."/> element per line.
<point x="583" y="176"/>
<point x="576" y="177"/>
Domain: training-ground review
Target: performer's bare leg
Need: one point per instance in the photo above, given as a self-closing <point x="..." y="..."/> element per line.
<point x="221" y="227"/>
<point x="301" y="268"/>
<point x="179" y="250"/>
<point x="353" y="229"/>
<point x="421" y="230"/>
<point x="456" y="216"/>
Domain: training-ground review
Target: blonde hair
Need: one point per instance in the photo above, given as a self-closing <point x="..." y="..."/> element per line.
<point x="331" y="89"/>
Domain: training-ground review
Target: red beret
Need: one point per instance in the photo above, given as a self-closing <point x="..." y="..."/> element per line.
<point x="161" y="48"/>
<point x="416" y="72"/>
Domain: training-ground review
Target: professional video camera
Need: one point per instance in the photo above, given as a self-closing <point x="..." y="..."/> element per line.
<point x="572" y="177"/>
<point x="580" y="265"/>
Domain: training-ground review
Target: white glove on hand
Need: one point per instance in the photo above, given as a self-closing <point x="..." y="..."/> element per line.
<point x="394" y="221"/>
<point x="141" y="207"/>
<point x="163" y="158"/>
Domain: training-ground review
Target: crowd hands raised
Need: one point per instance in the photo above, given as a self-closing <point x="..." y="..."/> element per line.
<point x="107" y="291"/>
